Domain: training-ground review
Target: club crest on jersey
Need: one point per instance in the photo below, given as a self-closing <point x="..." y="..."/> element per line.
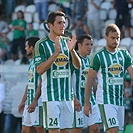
<point x="61" y="60"/>
<point x="85" y="72"/>
<point x="115" y="69"/>
<point x="30" y="75"/>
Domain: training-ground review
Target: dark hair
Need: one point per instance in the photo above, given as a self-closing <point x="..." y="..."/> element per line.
<point x="111" y="28"/>
<point x="81" y="39"/>
<point x="21" y="13"/>
<point x="52" y="16"/>
<point x="32" y="41"/>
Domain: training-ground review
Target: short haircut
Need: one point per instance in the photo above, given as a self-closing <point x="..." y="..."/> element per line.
<point x="53" y="15"/>
<point x="81" y="39"/>
<point x="111" y="28"/>
<point x="32" y="41"/>
<point x="21" y="13"/>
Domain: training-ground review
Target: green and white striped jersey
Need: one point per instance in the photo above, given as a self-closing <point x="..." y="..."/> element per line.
<point x="56" y="81"/>
<point x="111" y="68"/>
<point x="33" y="81"/>
<point x="79" y="81"/>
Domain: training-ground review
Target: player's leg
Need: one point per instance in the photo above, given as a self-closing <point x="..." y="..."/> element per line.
<point x="78" y="122"/>
<point x="94" y="128"/>
<point x="67" y="116"/>
<point x="28" y="129"/>
<point x="27" y="122"/>
<point x="93" y="120"/>
<point x="40" y="130"/>
<point x="111" y="115"/>
<point x="51" y="116"/>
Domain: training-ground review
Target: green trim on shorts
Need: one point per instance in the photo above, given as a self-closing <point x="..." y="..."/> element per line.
<point x="102" y="111"/>
<point x="40" y="124"/>
<point x="41" y="115"/>
<point x="74" y="122"/>
<point x="45" y="114"/>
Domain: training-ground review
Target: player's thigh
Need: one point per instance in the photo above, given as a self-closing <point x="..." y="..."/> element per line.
<point x="110" y="116"/>
<point x="78" y="119"/>
<point x="51" y="115"/>
<point x="67" y="114"/>
<point x="94" y="117"/>
<point x="26" y="118"/>
<point x="37" y="117"/>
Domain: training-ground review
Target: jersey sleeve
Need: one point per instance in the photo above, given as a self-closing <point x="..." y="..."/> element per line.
<point x="94" y="62"/>
<point x="128" y="60"/>
<point x="39" y="54"/>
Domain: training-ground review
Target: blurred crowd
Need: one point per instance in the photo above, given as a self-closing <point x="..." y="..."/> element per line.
<point x="86" y="16"/>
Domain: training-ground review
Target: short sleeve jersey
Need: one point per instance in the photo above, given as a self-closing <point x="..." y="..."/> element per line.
<point x="111" y="68"/>
<point x="33" y="81"/>
<point x="56" y="81"/>
<point x="31" y="33"/>
<point x="18" y="33"/>
<point x="80" y="77"/>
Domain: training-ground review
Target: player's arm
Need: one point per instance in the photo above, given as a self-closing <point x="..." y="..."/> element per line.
<point x="89" y="84"/>
<point x="77" y="104"/>
<point x="22" y="104"/>
<point x="32" y="106"/>
<point x="75" y="58"/>
<point x="130" y="71"/>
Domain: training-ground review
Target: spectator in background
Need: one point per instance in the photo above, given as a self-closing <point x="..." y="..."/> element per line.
<point x="4" y="39"/>
<point x="31" y="31"/>
<point x="3" y="24"/>
<point x="67" y="6"/>
<point x="81" y="28"/>
<point x="0" y="6"/>
<point x="42" y="9"/>
<point x="2" y="52"/>
<point x="18" y="27"/>
<point x="123" y="17"/>
<point x="93" y="18"/>
<point x="79" y="10"/>
<point x="10" y="6"/>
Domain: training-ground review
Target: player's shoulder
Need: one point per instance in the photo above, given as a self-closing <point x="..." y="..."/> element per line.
<point x="122" y="50"/>
<point x="41" y="40"/>
<point x="98" y="51"/>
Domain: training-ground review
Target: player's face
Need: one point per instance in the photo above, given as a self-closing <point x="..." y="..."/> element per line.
<point x="112" y="41"/>
<point x="28" y="49"/>
<point x="85" y="47"/>
<point x="59" y="26"/>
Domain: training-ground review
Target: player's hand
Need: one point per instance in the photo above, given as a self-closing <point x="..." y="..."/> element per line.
<point x="87" y="109"/>
<point x="57" y="44"/>
<point x="21" y="107"/>
<point x="77" y="105"/>
<point x="72" y="42"/>
<point x="31" y="107"/>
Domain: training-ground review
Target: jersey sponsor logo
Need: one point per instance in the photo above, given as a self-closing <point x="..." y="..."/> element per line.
<point x="31" y="86"/>
<point x="61" y="60"/>
<point x="115" y="69"/>
<point x="61" y="73"/>
<point x="37" y="59"/>
<point x="85" y="72"/>
<point x="30" y="75"/>
<point x="83" y="84"/>
<point x="115" y="81"/>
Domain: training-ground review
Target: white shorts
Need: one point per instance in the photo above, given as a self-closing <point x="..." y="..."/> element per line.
<point x="112" y="116"/>
<point x="82" y="121"/>
<point x="33" y="119"/>
<point x="58" y="114"/>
